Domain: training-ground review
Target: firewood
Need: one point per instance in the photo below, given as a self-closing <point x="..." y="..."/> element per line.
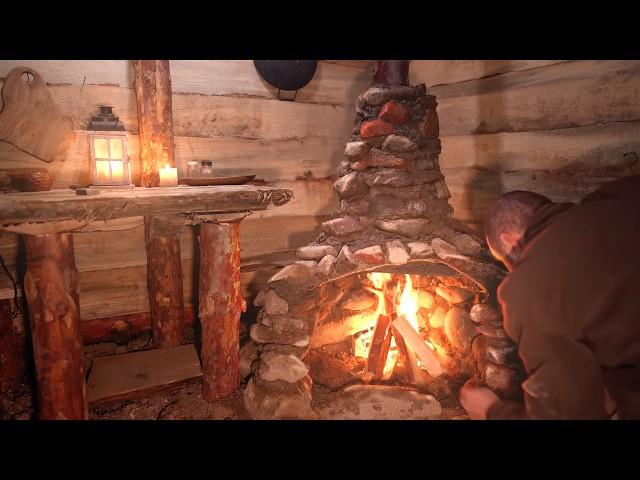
<point x="415" y="343"/>
<point x="380" y="343"/>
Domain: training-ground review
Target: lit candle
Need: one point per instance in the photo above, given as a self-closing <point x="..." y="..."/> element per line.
<point x="168" y="177"/>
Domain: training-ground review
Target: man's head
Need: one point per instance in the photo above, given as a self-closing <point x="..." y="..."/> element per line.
<point x="507" y="220"/>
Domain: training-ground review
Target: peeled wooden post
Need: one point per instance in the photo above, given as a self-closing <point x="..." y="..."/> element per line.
<point x="10" y="361"/>
<point x="152" y="83"/>
<point x="164" y="280"/>
<point x="51" y="290"/>
<point x="220" y="305"/>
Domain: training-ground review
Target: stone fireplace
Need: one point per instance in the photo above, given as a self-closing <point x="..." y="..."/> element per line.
<point x="390" y="293"/>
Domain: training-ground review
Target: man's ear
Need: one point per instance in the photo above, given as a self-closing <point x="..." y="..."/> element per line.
<point x="509" y="238"/>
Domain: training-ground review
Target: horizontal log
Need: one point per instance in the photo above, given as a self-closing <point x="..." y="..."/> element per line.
<point x="333" y="83"/>
<point x="563" y="95"/>
<point x="442" y="72"/>
<point x="598" y="148"/>
<point x="196" y="115"/>
<point x="55" y="205"/>
<point x="268" y="160"/>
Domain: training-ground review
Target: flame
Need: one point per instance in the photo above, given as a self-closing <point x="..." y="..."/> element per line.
<point x="408" y="305"/>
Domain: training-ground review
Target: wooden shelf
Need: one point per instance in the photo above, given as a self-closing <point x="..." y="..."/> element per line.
<point x="63" y="210"/>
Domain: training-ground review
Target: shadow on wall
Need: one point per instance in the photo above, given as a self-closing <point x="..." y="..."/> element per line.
<point x="485" y="185"/>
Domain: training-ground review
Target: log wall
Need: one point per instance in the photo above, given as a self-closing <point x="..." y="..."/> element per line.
<point x="553" y="126"/>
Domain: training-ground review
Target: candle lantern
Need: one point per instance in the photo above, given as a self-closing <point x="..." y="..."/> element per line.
<point x="110" y="164"/>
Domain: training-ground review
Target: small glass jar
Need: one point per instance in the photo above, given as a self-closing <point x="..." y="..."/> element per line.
<point x="207" y="169"/>
<point x="193" y="170"/>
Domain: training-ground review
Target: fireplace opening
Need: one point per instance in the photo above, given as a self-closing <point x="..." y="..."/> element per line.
<point x="395" y="329"/>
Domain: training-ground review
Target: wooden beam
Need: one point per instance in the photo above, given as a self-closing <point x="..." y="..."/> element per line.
<point x="51" y="290"/>
<point x="164" y="280"/>
<point x="10" y="361"/>
<point x="152" y="84"/>
<point x="17" y="208"/>
<point x="220" y="305"/>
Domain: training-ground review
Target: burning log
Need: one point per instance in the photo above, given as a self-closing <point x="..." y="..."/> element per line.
<point x="379" y="349"/>
<point x="415" y="343"/>
<point x="408" y="359"/>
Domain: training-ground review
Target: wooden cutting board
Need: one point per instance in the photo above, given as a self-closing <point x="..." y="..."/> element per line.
<point x="29" y="119"/>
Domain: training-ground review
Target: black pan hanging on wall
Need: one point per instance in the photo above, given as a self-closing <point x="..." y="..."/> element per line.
<point x="288" y="75"/>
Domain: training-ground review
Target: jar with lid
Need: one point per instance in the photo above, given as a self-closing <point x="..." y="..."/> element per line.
<point x="193" y="170"/>
<point x="207" y="169"/>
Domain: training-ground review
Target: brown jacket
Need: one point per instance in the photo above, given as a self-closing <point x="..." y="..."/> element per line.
<point x="572" y="304"/>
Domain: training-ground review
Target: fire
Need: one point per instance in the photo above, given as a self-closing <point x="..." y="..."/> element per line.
<point x="406" y="304"/>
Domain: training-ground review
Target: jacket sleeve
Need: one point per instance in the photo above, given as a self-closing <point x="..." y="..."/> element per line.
<point x="564" y="382"/>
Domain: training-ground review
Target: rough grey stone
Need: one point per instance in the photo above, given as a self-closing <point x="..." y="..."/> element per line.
<point x="356" y="149"/>
<point x="261" y="334"/>
<point x="350" y="185"/>
<point x="446" y="251"/>
<point x="315" y="252"/>
<point x="467" y="245"/>
<point x="392" y="178"/>
<point x="411" y="228"/>
<point x="276" y="366"/>
<point x="396" y="253"/>
<point x="399" y="144"/>
<point x="280" y="400"/>
<point x="420" y="249"/>
<point x="459" y="328"/>
<point x="343" y="226"/>
<point x="379" y="402"/>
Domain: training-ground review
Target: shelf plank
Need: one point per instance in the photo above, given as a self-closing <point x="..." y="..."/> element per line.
<point x="68" y="211"/>
<point x="138" y="374"/>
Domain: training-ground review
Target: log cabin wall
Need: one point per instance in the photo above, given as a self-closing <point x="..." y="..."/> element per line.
<point x="224" y="112"/>
<point x="556" y="127"/>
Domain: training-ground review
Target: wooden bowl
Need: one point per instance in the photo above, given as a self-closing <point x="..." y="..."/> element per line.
<point x="29" y="179"/>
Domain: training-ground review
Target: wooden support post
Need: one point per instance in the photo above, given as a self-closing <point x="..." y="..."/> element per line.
<point x="51" y="290"/>
<point x="152" y="83"/>
<point x="164" y="280"/>
<point x="10" y="361"/>
<point x="220" y="305"/>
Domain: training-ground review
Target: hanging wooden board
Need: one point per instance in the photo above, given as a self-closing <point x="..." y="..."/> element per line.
<point x="29" y="119"/>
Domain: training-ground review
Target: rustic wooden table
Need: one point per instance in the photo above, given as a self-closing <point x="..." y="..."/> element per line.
<point x="47" y="221"/>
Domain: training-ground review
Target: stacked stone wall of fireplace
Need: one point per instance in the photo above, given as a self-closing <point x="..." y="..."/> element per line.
<point x="394" y="214"/>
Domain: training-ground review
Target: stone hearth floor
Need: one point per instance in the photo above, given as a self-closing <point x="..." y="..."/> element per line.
<point x="184" y="403"/>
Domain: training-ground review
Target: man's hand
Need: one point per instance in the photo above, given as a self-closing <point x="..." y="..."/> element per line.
<point x="477" y="400"/>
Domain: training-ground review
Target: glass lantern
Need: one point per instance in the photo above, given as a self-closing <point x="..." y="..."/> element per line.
<point x="110" y="164"/>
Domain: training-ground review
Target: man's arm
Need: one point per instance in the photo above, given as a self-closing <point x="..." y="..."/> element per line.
<point x="565" y="382"/>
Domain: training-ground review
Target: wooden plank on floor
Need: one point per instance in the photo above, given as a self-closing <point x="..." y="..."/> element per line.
<point x="137" y="374"/>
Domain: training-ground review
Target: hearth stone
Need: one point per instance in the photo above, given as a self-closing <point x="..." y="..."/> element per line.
<point x="379" y="402"/>
<point x="279" y="400"/>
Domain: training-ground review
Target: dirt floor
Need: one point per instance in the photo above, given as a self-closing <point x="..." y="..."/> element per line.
<point x="183" y="403"/>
